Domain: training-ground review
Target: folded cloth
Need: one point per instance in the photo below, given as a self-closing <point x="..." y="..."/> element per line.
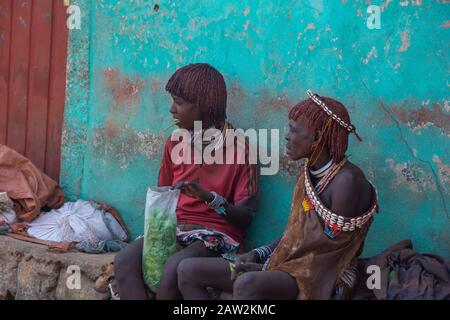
<point x="408" y="275"/>
<point x="28" y="188"/>
<point x="103" y="246"/>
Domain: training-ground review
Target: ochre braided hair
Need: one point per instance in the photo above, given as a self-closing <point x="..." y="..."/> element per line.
<point x="204" y="85"/>
<point x="331" y="134"/>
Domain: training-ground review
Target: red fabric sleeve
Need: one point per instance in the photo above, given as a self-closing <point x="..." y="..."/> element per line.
<point x="247" y="187"/>
<point x="165" y="176"/>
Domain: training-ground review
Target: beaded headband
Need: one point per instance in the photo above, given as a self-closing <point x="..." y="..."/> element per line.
<point x="320" y="103"/>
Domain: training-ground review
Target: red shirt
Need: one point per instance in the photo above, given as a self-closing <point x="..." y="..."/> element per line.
<point x="237" y="183"/>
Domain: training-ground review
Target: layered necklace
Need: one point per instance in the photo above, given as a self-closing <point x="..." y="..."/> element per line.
<point x="326" y="174"/>
<point x="321" y="172"/>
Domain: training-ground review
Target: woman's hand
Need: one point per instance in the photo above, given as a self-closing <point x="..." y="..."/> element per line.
<point x="251" y="256"/>
<point x="244" y="263"/>
<point x="193" y="190"/>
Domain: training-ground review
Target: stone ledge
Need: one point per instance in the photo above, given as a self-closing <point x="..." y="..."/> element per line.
<point x="29" y="272"/>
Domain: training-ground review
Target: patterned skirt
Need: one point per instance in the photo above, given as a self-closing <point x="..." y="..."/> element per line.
<point x="213" y="239"/>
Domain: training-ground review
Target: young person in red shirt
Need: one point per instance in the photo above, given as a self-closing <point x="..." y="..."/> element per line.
<point x="217" y="201"/>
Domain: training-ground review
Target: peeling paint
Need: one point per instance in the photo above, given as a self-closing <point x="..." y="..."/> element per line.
<point x="310" y="26"/>
<point x="246" y="25"/>
<point x="150" y="145"/>
<point x="422" y="117"/>
<point x="112" y="128"/>
<point x="124" y="90"/>
<point x="74" y="136"/>
<point x="411" y="176"/>
<point x="269" y="103"/>
<point x="412" y="2"/>
<point x="446" y="106"/>
<point x="372" y="53"/>
<point x="125" y="145"/>
<point x="444" y="170"/>
<point x="405" y="41"/>
<point x="385" y="5"/>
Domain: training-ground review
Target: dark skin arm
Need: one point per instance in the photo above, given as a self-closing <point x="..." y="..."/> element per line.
<point x="274" y="244"/>
<point x="350" y="193"/>
<point x="238" y="216"/>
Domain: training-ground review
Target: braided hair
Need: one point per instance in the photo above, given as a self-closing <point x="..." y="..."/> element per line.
<point x="331" y="134"/>
<point x="203" y="85"/>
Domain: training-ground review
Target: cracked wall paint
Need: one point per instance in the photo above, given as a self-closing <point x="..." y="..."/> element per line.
<point x="394" y="86"/>
<point x="424" y="116"/>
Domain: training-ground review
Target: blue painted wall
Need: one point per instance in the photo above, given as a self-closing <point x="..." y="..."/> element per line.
<point x="394" y="81"/>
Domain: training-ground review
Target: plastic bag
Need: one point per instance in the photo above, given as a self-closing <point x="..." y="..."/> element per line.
<point x="159" y="233"/>
<point x="77" y="221"/>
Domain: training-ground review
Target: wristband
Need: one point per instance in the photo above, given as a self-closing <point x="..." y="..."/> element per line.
<point x="263" y="252"/>
<point x="217" y="204"/>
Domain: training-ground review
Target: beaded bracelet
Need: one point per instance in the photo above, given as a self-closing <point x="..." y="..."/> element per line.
<point x="217" y="204"/>
<point x="263" y="252"/>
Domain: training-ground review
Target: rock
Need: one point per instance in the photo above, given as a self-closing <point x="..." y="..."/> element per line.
<point x="30" y="272"/>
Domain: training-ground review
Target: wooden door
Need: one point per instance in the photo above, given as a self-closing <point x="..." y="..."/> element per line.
<point x="33" y="55"/>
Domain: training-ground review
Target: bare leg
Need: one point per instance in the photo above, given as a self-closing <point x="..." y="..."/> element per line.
<point x="168" y="287"/>
<point x="195" y="274"/>
<point x="265" y="285"/>
<point x="128" y="272"/>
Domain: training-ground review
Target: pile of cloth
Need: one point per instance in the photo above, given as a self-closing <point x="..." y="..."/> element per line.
<point x="33" y="208"/>
<point x="28" y="187"/>
<point x="405" y="274"/>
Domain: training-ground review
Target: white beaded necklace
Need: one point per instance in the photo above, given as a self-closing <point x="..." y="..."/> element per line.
<point x="321" y="172"/>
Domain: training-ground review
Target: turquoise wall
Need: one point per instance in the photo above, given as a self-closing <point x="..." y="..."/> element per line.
<point x="394" y="81"/>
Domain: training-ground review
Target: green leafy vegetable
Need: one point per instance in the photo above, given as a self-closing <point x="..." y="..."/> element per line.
<point x="159" y="245"/>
